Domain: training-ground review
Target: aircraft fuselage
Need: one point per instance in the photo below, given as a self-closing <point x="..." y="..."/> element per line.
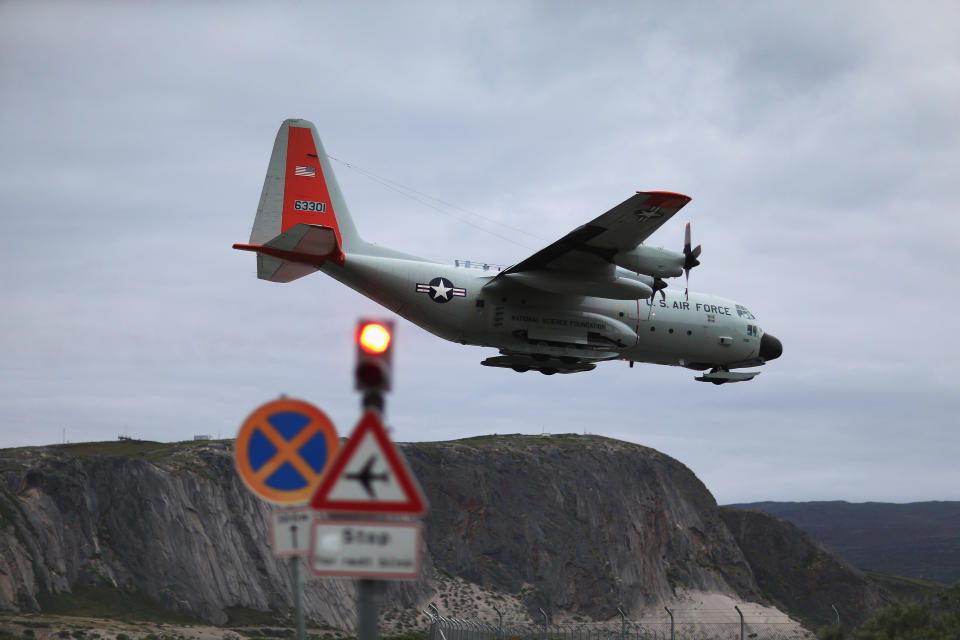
<point x="700" y="332"/>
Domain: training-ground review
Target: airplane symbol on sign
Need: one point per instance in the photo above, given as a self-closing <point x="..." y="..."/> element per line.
<point x="366" y="476"/>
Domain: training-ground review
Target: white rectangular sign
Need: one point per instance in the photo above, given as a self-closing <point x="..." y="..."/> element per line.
<point x="290" y="532"/>
<point x="386" y="550"/>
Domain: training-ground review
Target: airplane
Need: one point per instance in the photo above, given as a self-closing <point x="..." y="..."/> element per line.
<point x="366" y="476"/>
<point x="597" y="294"/>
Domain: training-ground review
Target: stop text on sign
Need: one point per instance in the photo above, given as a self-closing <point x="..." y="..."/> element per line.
<point x="385" y="550"/>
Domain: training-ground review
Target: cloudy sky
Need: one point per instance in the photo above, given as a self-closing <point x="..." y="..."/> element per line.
<point x="821" y="149"/>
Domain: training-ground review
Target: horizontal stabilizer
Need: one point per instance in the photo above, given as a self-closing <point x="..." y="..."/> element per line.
<point x="721" y="377"/>
<point x="298" y="251"/>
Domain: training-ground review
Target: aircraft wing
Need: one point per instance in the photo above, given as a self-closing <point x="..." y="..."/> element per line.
<point x="591" y="246"/>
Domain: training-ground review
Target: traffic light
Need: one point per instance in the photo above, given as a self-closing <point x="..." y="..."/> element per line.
<point x="374" y="354"/>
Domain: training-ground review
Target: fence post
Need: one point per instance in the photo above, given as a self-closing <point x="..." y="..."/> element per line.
<point x="741" y="620"/>
<point x="499" y="620"/>
<point x="436" y="624"/>
<point x="623" y="623"/>
<point x="430" y="618"/>
<point x="672" y="636"/>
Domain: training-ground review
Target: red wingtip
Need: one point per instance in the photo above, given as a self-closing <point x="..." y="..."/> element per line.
<point x="668" y="199"/>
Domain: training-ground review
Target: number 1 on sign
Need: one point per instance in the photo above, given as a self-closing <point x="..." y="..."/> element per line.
<point x="287" y="527"/>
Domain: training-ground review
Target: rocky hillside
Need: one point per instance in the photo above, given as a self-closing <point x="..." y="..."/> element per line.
<point x="582" y="524"/>
<point x="918" y="539"/>
<point x="798" y="574"/>
<point x="575" y="525"/>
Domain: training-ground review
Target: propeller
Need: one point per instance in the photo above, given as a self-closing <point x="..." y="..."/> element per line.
<point x="659" y="284"/>
<point x="689" y="258"/>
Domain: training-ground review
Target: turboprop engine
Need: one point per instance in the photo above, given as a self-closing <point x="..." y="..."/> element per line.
<point x="661" y="263"/>
<point x="652" y="261"/>
<point x="617" y="288"/>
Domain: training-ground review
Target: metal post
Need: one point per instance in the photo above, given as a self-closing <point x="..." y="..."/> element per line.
<point x="623" y="623"/>
<point x="374" y="400"/>
<point x="672" y="637"/>
<point x="298" y="597"/>
<point x="440" y="627"/>
<point x="368" y="591"/>
<point x="741" y="620"/>
<point x="838" y="615"/>
<point x="499" y="620"/>
<point x="368" y="609"/>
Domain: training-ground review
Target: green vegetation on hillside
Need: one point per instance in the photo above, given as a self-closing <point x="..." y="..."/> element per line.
<point x="127" y="448"/>
<point x="153" y="451"/>
<point x="409" y="635"/>
<point x="518" y="440"/>
<point x="933" y="618"/>
<point x="245" y="617"/>
<point x="906" y="589"/>
<point x="111" y="603"/>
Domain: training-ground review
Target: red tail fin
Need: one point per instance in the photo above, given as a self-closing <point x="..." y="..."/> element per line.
<point x="300" y="188"/>
<point x="301" y="209"/>
<point x="306" y="197"/>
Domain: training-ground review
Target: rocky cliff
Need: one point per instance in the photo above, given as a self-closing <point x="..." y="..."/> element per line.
<point x="580" y="524"/>
<point x="797" y="573"/>
<point x="171" y="520"/>
<point x="576" y="525"/>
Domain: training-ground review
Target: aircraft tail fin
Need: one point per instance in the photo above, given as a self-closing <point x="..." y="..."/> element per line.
<point x="301" y="187"/>
<point x="302" y="221"/>
<point x="301" y="209"/>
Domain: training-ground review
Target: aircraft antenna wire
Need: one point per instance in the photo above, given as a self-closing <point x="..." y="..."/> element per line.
<point x="423" y="199"/>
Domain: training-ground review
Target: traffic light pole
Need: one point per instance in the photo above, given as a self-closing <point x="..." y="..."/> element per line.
<point x="369" y="591"/>
<point x="373" y="400"/>
<point x="372" y="378"/>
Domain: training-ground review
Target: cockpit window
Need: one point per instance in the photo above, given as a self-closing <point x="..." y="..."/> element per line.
<point x="743" y="312"/>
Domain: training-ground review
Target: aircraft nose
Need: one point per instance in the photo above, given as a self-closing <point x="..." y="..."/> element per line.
<point x="770" y="347"/>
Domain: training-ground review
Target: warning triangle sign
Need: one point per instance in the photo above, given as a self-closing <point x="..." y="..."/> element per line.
<point x="369" y="475"/>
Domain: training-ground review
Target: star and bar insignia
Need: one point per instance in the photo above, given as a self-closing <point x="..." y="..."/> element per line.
<point x="648" y="213"/>
<point x="441" y="290"/>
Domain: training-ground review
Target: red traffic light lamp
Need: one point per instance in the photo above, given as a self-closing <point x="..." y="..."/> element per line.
<point x="373" y="337"/>
<point x="374" y="340"/>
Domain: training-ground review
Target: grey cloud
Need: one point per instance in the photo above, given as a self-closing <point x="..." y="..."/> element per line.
<point x="819" y="148"/>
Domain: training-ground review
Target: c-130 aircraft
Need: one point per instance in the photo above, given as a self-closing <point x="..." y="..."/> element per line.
<point x="589" y="297"/>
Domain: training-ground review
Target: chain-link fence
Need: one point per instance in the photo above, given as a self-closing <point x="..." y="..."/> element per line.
<point x="447" y="628"/>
